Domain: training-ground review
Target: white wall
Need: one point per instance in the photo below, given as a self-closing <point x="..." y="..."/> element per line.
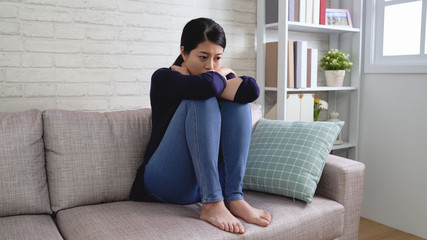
<point x="393" y="143"/>
<point x="98" y="55"/>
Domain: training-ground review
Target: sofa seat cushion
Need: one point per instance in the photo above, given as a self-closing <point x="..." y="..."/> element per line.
<point x="322" y="219"/>
<point x="23" y="181"/>
<point x="31" y="227"/>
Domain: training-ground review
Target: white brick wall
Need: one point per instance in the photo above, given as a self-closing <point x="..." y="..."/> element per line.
<point x="98" y="55"/>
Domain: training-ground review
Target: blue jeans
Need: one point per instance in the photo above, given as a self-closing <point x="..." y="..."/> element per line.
<point x="202" y="156"/>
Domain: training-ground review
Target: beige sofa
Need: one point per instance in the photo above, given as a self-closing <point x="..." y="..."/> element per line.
<point x="68" y="175"/>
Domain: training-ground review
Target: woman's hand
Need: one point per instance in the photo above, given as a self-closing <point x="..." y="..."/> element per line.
<point x="181" y="69"/>
<point x="224" y="71"/>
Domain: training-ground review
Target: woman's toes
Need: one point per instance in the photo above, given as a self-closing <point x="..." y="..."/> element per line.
<point x="231" y="228"/>
<point x="221" y="226"/>
<point x="241" y="228"/>
<point x="264" y="223"/>
<point x="226" y="228"/>
<point x="266" y="216"/>
<point x="236" y="228"/>
<point x="218" y="215"/>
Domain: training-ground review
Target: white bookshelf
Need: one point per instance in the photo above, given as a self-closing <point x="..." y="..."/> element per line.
<point x="344" y="100"/>
<point x="311" y="28"/>
<point x="318" y="89"/>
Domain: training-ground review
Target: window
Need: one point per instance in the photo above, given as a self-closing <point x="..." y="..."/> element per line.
<point x="396" y="32"/>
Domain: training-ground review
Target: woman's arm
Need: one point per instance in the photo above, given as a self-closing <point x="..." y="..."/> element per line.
<point x="248" y="90"/>
<point x="230" y="89"/>
<point x="242" y="89"/>
<point x="167" y="84"/>
<point x="232" y="84"/>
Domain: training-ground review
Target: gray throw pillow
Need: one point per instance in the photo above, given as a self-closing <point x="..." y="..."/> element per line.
<point x="287" y="158"/>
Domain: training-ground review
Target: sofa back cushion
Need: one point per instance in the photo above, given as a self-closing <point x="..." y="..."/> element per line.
<point x="23" y="183"/>
<point x="93" y="157"/>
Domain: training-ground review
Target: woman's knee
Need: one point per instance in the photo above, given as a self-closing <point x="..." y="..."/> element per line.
<point x="208" y="104"/>
<point x="236" y="110"/>
<point x="204" y="110"/>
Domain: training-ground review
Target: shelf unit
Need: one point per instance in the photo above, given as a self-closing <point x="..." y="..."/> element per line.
<point x="344" y="100"/>
<point x="318" y="89"/>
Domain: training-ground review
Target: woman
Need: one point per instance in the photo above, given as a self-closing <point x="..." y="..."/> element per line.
<point x="201" y="132"/>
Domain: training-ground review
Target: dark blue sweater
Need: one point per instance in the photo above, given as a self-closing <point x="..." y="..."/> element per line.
<point x="168" y="89"/>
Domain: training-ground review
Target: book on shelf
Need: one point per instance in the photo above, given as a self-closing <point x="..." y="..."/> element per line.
<point x="271" y="51"/>
<point x="312" y="54"/>
<point x="316" y="12"/>
<point x="291" y="69"/>
<point x="307" y="11"/>
<point x="296" y="10"/>
<point x="322" y="16"/>
<point x="306" y="107"/>
<point x="309" y="50"/>
<point x="300" y="63"/>
<point x="299" y="107"/>
<point x="293" y="107"/>
<point x="271" y="54"/>
<point x="302" y="10"/>
<point x="291" y="11"/>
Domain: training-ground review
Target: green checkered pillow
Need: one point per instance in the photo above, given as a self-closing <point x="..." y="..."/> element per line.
<point x="287" y="158"/>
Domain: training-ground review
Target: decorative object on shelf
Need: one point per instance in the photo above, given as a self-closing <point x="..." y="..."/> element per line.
<point x="338" y="17"/>
<point x="319" y="104"/>
<point x="299" y="107"/>
<point x="334" y="78"/>
<point x="335" y="62"/>
<point x="334" y="117"/>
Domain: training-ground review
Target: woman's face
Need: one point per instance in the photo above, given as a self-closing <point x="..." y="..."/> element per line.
<point x="206" y="57"/>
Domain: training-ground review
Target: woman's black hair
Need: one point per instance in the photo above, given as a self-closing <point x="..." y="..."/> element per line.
<point x="198" y="30"/>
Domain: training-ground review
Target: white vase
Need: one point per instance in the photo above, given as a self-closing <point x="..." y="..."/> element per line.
<point x="334" y="78"/>
<point x="333" y="117"/>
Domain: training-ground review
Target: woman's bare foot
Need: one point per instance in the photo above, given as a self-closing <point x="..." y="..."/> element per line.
<point x="218" y="215"/>
<point x="241" y="208"/>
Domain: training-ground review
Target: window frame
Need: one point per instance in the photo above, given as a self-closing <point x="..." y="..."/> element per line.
<point x="375" y="62"/>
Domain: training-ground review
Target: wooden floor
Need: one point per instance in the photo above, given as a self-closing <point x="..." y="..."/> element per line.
<point x="370" y="230"/>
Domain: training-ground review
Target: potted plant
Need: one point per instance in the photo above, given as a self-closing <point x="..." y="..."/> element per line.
<point x="335" y="62"/>
<point x="319" y="105"/>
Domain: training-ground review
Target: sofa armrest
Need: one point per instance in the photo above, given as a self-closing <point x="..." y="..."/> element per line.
<point x="342" y="181"/>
